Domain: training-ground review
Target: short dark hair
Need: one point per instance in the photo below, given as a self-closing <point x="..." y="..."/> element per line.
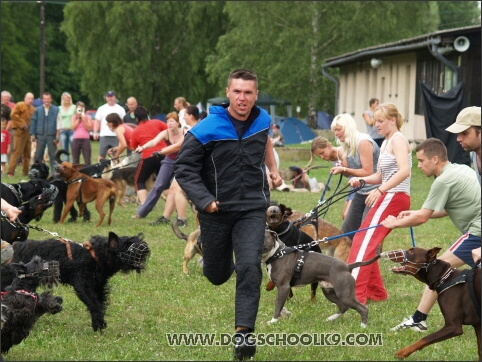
<point x="114" y="118"/>
<point x="433" y="147"/>
<point x="373" y="100"/>
<point x="193" y="111"/>
<point x="244" y="74"/>
<point x="141" y="114"/>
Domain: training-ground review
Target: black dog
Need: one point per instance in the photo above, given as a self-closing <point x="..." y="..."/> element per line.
<point x="33" y="198"/>
<point x="21" y="305"/>
<point x="88" y="267"/>
<point x="41" y="170"/>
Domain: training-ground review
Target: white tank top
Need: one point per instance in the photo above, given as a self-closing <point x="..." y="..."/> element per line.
<point x="387" y="165"/>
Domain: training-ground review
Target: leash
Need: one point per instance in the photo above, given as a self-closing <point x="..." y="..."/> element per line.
<point x="412" y="236"/>
<point x="326" y="188"/>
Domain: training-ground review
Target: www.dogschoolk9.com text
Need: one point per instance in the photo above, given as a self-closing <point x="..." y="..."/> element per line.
<point x="277" y="339"/>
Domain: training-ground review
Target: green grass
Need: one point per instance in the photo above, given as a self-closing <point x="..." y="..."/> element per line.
<point x="143" y="308"/>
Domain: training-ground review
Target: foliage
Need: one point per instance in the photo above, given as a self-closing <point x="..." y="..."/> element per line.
<point x="152" y="50"/>
<point x="143" y="308"/>
<point x="456" y="14"/>
<point x="287" y="42"/>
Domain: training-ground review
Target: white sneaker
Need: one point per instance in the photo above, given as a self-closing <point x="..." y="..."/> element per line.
<point x="409" y="323"/>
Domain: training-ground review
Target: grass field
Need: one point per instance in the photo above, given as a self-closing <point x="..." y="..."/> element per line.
<point x="144" y="308"/>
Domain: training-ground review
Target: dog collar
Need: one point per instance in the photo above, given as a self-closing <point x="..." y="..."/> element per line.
<point x="34" y="296"/>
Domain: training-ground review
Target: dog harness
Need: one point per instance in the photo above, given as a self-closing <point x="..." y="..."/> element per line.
<point x="34" y="296"/>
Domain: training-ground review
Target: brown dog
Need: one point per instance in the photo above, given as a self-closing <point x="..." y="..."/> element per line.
<point x="454" y="288"/>
<point x="193" y="245"/>
<point x="123" y="177"/>
<point x="318" y="229"/>
<point x="85" y="189"/>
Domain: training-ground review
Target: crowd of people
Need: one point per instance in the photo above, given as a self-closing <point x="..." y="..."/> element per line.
<point x="206" y="162"/>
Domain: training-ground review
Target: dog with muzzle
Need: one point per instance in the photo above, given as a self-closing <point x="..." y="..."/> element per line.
<point x="290" y="267"/>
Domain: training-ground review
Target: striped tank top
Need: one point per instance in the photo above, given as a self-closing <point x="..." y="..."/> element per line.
<point x="387" y="166"/>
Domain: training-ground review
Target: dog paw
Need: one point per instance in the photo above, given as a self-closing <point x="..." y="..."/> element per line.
<point x="273" y="321"/>
<point x="333" y="317"/>
<point x="363" y="325"/>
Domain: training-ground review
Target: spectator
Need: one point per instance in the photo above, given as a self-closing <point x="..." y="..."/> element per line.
<point x="454" y="193"/>
<point x="390" y="198"/>
<point x="5" y="145"/>
<point x="210" y="168"/>
<point x="20" y="122"/>
<point x="45" y="129"/>
<point x="66" y="111"/>
<point x="176" y="198"/>
<point x="145" y="131"/>
<point x="370" y="121"/>
<point x="7" y="99"/>
<point x="81" y="123"/>
<point x="467" y="126"/>
<point x="173" y="137"/>
<point x="360" y="160"/>
<point x="277" y="137"/>
<point x="130" y="117"/>
<point x="123" y="133"/>
<point x="106" y="137"/>
<point x="180" y="105"/>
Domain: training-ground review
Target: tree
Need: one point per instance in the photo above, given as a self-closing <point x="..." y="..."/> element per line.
<point x="286" y="42"/>
<point x="151" y="50"/>
<point x="456" y="14"/>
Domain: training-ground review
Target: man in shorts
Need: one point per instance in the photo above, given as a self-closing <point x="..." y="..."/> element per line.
<point x="455" y="193"/>
<point x="107" y="138"/>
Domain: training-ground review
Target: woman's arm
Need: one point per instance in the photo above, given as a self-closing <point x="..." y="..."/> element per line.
<point x="119" y="131"/>
<point x="160" y="136"/>
<point x="401" y="149"/>
<point x="172" y="148"/>
<point x="365" y="150"/>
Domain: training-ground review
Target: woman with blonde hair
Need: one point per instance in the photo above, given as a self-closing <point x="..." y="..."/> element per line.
<point x="360" y="159"/>
<point x="391" y="197"/>
<point x="66" y="111"/>
<point x="173" y="136"/>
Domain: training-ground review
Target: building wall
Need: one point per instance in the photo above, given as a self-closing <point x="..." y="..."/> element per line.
<point x="394" y="81"/>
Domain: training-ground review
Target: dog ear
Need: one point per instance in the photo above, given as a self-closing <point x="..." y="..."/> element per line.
<point x="431" y="254"/>
<point x="77" y="166"/>
<point x="113" y="240"/>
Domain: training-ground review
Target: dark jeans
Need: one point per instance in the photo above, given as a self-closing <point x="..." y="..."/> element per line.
<point x="42" y="142"/>
<point x="241" y="233"/>
<point x="66" y="141"/>
<point x="356" y="213"/>
<point x="81" y="144"/>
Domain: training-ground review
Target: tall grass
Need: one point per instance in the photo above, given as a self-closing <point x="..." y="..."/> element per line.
<point x="144" y="308"/>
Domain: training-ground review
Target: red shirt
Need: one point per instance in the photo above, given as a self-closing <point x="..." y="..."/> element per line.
<point x="128" y="134"/>
<point x="5" y="141"/>
<point x="146" y="131"/>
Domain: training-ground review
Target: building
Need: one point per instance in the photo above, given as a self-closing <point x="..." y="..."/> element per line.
<point x="393" y="72"/>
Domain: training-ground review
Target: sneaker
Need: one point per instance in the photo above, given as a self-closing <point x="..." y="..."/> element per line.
<point x="409" y="323"/>
<point x="244" y="345"/>
<point x="181" y="222"/>
<point x="162" y="220"/>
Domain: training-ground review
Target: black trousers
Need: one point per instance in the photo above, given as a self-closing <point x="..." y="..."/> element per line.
<point x="223" y="233"/>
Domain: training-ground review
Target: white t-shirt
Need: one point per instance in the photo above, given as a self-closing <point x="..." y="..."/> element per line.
<point x="103" y="112"/>
<point x="182" y="120"/>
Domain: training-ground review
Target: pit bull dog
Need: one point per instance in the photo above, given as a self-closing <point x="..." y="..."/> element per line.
<point x="289" y="267"/>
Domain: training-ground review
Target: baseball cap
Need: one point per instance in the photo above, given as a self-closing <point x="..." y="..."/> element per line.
<point x="467" y="117"/>
<point x="7" y="252"/>
<point x="109" y="93"/>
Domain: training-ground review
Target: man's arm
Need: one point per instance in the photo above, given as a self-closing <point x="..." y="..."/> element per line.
<point x="408" y="218"/>
<point x="270" y="162"/>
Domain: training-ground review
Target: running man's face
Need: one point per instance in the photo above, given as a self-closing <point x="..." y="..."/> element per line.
<point x="242" y="95"/>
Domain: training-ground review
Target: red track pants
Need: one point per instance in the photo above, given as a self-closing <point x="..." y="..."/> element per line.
<point x="368" y="280"/>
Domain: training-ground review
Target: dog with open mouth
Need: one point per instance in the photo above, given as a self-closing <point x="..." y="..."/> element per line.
<point x="458" y="293"/>
<point x="290" y="267"/>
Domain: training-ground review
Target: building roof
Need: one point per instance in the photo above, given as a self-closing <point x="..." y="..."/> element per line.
<point x="400" y="46"/>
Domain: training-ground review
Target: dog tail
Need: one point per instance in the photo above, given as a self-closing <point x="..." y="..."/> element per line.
<point x="60" y="153"/>
<point x="363" y="263"/>
<point x="177" y="231"/>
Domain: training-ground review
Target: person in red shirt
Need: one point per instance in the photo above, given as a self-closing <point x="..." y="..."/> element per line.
<point x="5" y="143"/>
<point x="149" y="163"/>
<point x="123" y="133"/>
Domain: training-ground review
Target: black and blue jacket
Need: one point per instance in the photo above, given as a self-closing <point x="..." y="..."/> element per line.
<point x="214" y="163"/>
